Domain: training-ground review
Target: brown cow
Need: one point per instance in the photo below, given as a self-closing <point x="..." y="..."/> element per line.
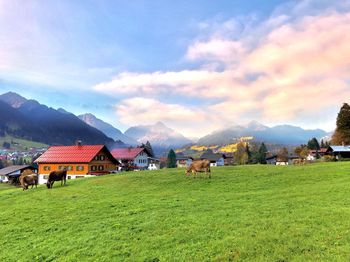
<point x="60" y="175"/>
<point x="28" y="180"/>
<point x="199" y="166"/>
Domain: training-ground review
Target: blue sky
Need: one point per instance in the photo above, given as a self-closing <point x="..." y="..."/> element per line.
<point x="195" y="65"/>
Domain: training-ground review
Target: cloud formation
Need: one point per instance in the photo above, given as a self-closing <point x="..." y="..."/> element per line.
<point x="290" y="67"/>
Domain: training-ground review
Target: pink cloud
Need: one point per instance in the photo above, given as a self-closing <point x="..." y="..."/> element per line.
<point x="290" y="69"/>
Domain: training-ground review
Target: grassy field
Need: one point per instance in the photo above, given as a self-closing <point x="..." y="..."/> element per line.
<point x="20" y="144"/>
<point x="256" y="213"/>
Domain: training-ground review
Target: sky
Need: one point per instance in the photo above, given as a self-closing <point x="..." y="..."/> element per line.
<point x="197" y="66"/>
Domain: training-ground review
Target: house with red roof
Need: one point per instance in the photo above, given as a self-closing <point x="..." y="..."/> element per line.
<point x="79" y="161"/>
<point x="138" y="156"/>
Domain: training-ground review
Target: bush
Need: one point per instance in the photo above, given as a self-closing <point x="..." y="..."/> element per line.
<point x="327" y="159"/>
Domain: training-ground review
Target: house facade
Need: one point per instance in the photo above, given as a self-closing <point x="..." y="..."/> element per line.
<point x="216" y="159"/>
<point x="138" y="157"/>
<point x="183" y="161"/>
<point x="78" y="160"/>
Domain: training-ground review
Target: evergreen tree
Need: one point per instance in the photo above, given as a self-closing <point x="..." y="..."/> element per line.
<point x="342" y="131"/>
<point x="1" y="164"/>
<point x="322" y="144"/>
<point x="171" y="160"/>
<point x="262" y="153"/>
<point x="249" y="154"/>
<point x="148" y="148"/>
<point x="313" y="144"/>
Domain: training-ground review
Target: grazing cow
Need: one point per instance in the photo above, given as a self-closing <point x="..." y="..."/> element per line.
<point x="56" y="176"/>
<point x="27" y="180"/>
<point x="199" y="166"/>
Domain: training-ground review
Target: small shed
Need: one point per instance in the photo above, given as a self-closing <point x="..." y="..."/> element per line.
<point x="12" y="173"/>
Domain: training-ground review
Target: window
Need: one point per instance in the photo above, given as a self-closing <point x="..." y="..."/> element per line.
<point x="93" y="168"/>
<point x="47" y="168"/>
<point x="69" y="168"/>
<point x="69" y="177"/>
<point x="60" y="167"/>
<point x="80" y="168"/>
<point x="96" y="158"/>
<point x="46" y="176"/>
<point x="102" y="158"/>
<point x="100" y="168"/>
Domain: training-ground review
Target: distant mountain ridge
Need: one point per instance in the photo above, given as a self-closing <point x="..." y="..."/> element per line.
<point x="280" y="134"/>
<point x="30" y="120"/>
<point x="107" y="129"/>
<point x="159" y="135"/>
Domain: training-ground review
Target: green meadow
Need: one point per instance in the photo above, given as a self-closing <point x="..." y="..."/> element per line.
<point x="244" y="213"/>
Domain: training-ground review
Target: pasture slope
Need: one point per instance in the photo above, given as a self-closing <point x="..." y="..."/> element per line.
<point x="256" y="213"/>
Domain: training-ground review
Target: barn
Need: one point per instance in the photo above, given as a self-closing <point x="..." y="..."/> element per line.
<point x="79" y="161"/>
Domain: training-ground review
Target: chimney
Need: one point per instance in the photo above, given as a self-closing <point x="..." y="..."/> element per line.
<point x="78" y="143"/>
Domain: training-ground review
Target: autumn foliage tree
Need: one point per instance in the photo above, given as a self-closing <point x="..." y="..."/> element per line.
<point x="342" y="131"/>
<point x="241" y="154"/>
<point x="302" y="151"/>
<point x="283" y="155"/>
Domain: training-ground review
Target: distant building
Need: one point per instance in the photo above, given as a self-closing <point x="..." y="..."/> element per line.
<point x="139" y="157"/>
<point x="183" y="161"/>
<point x="314" y="154"/>
<point x="12" y="173"/>
<point x="79" y="161"/>
<point x="339" y="151"/>
<point x="153" y="163"/>
<point x="271" y="160"/>
<point x="216" y="159"/>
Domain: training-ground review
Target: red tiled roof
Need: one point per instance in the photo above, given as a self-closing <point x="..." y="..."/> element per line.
<point x="126" y="153"/>
<point x="70" y="154"/>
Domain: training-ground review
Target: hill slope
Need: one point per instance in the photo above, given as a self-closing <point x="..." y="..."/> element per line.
<point x="33" y="121"/>
<point x="255" y="213"/>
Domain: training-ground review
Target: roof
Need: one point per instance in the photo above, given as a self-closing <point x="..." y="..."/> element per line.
<point x="10" y="169"/>
<point x="209" y="155"/>
<point x="340" y="148"/>
<point x="70" y="154"/>
<point x="127" y="153"/>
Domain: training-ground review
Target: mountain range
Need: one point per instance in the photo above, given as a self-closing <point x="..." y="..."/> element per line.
<point x="280" y="134"/>
<point x="159" y="135"/>
<point x="31" y="120"/>
<point x="107" y="129"/>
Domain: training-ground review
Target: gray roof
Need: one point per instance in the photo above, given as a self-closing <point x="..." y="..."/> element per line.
<point x="209" y="155"/>
<point x="340" y="148"/>
<point x="10" y="169"/>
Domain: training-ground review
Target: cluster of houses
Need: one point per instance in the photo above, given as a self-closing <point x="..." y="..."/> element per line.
<point x="86" y="160"/>
<point x="337" y="152"/>
<point x="13" y="155"/>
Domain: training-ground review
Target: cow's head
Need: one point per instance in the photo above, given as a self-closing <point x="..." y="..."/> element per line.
<point x="48" y="184"/>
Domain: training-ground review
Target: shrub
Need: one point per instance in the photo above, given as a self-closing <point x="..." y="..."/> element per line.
<point x="327" y="159"/>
